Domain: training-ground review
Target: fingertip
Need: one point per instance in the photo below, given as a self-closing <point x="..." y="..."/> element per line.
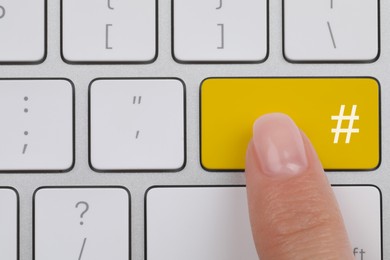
<point x="290" y="206"/>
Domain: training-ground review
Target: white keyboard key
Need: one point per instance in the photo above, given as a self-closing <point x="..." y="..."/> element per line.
<point x="37" y="125"/>
<point x="362" y="213"/>
<point x="8" y="224"/>
<point x="345" y="30"/>
<point x="109" y="31"/>
<point x="82" y="223"/>
<point x="216" y="220"/>
<point x="220" y="30"/>
<point x="22" y="30"/>
<point x="137" y="124"/>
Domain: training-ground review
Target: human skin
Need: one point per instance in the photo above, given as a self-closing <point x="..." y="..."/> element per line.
<point x="293" y="211"/>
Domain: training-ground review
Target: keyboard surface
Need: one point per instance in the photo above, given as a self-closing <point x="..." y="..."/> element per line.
<point x="124" y="124"/>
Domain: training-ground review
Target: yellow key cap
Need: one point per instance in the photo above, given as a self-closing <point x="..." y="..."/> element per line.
<point x="341" y="116"/>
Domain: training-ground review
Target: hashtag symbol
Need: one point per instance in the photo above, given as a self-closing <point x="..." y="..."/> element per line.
<point x="348" y="131"/>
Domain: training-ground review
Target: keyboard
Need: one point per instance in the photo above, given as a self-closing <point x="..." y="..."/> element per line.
<point x="124" y="124"/>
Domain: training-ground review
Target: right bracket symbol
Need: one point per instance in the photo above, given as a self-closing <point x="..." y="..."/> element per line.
<point x="220" y="5"/>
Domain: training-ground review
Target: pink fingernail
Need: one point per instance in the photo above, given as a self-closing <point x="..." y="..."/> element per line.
<point x="279" y="146"/>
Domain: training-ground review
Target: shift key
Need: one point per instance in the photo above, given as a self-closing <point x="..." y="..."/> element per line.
<point x="341" y="116"/>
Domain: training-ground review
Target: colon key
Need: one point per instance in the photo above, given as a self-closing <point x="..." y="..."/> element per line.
<point x="37" y="125"/>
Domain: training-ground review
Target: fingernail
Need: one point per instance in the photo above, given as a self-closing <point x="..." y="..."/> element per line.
<point x="279" y="146"/>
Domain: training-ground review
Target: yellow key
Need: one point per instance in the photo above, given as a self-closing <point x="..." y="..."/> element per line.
<point x="341" y="116"/>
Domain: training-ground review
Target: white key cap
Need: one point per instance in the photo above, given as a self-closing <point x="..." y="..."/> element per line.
<point x="22" y="30"/>
<point x="8" y="224"/>
<point x="82" y="223"/>
<point x="331" y="30"/>
<point x="37" y="125"/>
<point x="220" y="30"/>
<point x="109" y="31"/>
<point x="212" y="222"/>
<point x="137" y="124"/>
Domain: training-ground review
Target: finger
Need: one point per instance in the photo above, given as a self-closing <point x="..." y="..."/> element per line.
<point x="293" y="211"/>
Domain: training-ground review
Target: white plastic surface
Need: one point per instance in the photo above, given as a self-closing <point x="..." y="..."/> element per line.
<point x="211" y="223"/>
<point x="220" y="30"/>
<point x="331" y="30"/>
<point x="137" y="124"/>
<point x="22" y="30"/>
<point x="8" y="224"/>
<point x="109" y="31"/>
<point x="103" y="235"/>
<point x="36" y="130"/>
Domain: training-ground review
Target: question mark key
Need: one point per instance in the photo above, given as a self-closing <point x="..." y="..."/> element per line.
<point x="75" y="221"/>
<point x="86" y="208"/>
